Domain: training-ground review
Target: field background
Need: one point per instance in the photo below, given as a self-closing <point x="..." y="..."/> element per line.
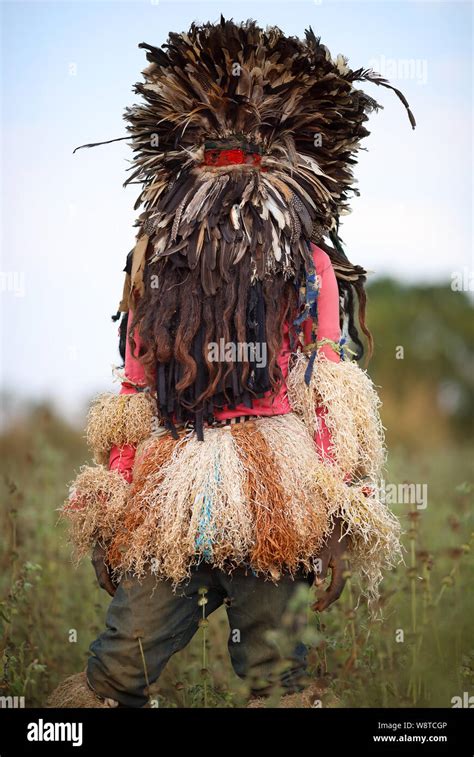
<point x="357" y="661"/>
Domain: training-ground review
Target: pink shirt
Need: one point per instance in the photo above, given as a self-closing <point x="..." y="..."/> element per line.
<point x="271" y="404"/>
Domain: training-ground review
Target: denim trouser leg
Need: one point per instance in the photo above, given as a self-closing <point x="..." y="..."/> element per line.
<point x="148" y="611"/>
<point x="256" y="609"/>
<point x="164" y="621"/>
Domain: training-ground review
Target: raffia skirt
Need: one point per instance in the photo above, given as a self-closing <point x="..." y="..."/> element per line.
<point x="254" y="494"/>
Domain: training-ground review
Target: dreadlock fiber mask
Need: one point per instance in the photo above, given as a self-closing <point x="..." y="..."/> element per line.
<point x="227" y="87"/>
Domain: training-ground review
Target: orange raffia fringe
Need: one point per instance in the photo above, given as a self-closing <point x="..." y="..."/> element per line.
<point x="97" y="500"/>
<point x="293" y="453"/>
<point x="177" y="529"/>
<point x="118" y="419"/>
<point x="151" y="456"/>
<point x="276" y="544"/>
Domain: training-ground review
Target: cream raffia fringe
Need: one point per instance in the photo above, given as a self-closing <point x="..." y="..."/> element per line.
<point x="352" y="412"/>
<point x="176" y="530"/>
<point x="97" y="501"/>
<point x="118" y="419"/>
<point x="373" y="531"/>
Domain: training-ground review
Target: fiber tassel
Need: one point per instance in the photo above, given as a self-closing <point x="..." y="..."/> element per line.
<point x="118" y="419"/>
<point x="352" y="412"/>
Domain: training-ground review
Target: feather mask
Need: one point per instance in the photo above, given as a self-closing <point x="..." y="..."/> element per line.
<point x="254" y="93"/>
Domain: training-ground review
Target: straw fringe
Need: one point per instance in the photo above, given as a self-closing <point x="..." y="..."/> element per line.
<point x="118" y="419"/>
<point x="352" y="412"/>
<point x="150" y="457"/>
<point x="235" y="498"/>
<point x="317" y="495"/>
<point x="74" y="692"/>
<point x="222" y="525"/>
<point x="97" y="500"/>
<point x="374" y="532"/>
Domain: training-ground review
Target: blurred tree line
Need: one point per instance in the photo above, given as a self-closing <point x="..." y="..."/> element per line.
<point x="423" y="362"/>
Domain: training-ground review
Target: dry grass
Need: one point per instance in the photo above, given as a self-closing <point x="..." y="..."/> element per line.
<point x="50" y="611"/>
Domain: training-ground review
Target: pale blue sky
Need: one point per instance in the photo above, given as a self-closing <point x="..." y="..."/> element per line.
<point x="67" y="73"/>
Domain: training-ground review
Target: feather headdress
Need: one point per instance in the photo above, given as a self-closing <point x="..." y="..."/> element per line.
<point x="229" y="84"/>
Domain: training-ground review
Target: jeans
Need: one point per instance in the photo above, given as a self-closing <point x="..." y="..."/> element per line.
<point x="165" y="622"/>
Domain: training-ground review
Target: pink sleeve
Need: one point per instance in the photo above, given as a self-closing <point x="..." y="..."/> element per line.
<point x="122" y="458"/>
<point x="328" y="328"/>
<point x="328" y="303"/>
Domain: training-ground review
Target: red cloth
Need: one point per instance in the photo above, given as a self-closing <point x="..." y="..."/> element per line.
<point x="121" y="459"/>
<point x="236" y="156"/>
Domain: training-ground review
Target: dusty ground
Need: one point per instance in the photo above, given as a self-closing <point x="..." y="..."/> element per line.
<point x="74" y="692"/>
<point x="315" y="695"/>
